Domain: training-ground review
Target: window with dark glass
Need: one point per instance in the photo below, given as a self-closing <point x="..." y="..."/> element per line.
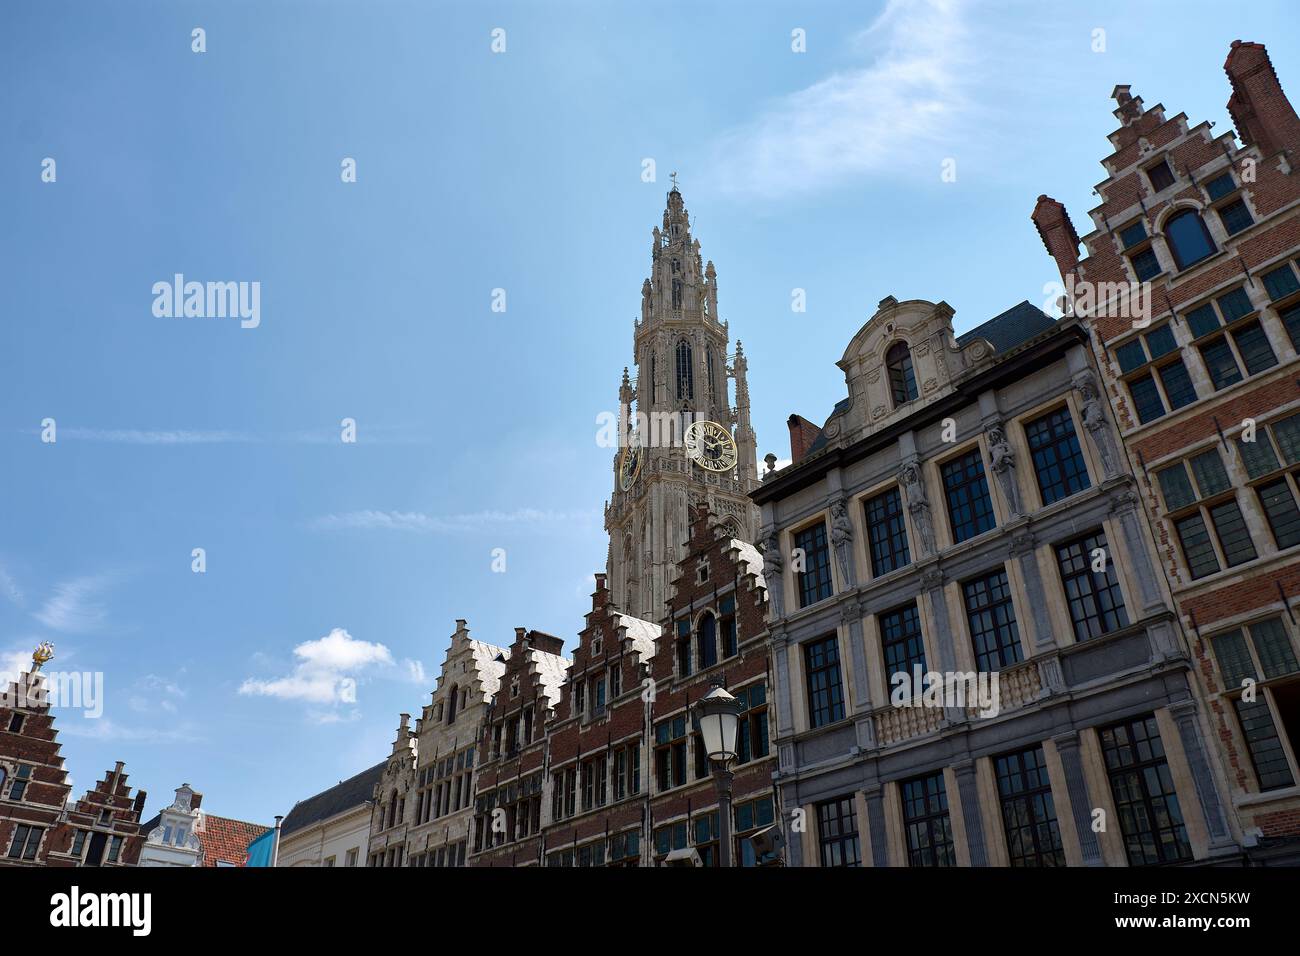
<point x="1220" y="186"/>
<point x="22" y="776"/>
<point x="1165" y="386"/>
<point x="1132" y="234"/>
<point x="752" y="816"/>
<point x="1221" y="364"/>
<point x="902" y="380"/>
<point x="926" y="821"/>
<point x="1280" y="508"/>
<point x="1094" y="597"/>
<point x="1291" y="319"/>
<point x="683" y="648"/>
<point x="887" y="533"/>
<point x="815" y="579"/>
<point x="727" y="625"/>
<point x="1028" y="811"/>
<point x="1188" y="239"/>
<point x="708" y="641"/>
<point x="685" y="372"/>
<point x="1150" y="816"/>
<point x="1058" y="459"/>
<point x="901" y="641"/>
<point x="837" y="832"/>
<point x="1160" y="176"/>
<point x="1254" y="348"/>
<point x="1280" y="282"/>
<point x="671" y="837"/>
<point x="1145" y="264"/>
<point x="26" y="840"/>
<point x="970" y="509"/>
<point x="992" y="617"/>
<point x="1146" y="398"/>
<point x="752" y="732"/>
<point x="825" y="693"/>
<point x="1235" y="216"/>
<point x="670" y="753"/>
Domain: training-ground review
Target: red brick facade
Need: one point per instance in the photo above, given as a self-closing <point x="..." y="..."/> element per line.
<point x="1213" y="226"/>
<point x="609" y="771"/>
<point x="37" y="826"/>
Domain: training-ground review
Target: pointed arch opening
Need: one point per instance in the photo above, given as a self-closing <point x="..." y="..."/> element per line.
<point x="685" y="372"/>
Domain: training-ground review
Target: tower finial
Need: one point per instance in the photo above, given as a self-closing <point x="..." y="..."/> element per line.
<point x="43" y="654"/>
<point x="673" y="177"/>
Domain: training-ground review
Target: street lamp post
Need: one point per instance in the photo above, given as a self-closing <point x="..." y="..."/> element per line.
<point x="717" y="717"/>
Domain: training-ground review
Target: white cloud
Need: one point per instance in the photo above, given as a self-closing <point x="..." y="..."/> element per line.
<point x="878" y="117"/>
<point x="422" y="523"/>
<point x="325" y="671"/>
<point x="74" y="606"/>
<point x="9" y="588"/>
<point x="104" y="729"/>
<point x="414" y="671"/>
<point x="152" y="692"/>
<point x="136" y="436"/>
<point x="12" y="663"/>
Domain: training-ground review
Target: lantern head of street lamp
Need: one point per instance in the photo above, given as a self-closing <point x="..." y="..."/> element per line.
<point x="717" y="717"/>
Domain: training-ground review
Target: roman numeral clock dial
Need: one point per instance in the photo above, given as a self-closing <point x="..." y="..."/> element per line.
<point x="711" y="446"/>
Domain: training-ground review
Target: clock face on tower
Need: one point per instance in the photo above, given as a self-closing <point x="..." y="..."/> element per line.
<point x="629" y="466"/>
<point x="711" y="446"/>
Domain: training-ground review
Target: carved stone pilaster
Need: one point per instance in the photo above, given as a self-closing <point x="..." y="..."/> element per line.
<point x="1096" y="422"/>
<point x="909" y="476"/>
<point x="772" y="566"/>
<point x="968" y="793"/>
<point x="1004" y="466"/>
<point x="1189" y="733"/>
<point x="842" y="542"/>
<point x="1067" y="748"/>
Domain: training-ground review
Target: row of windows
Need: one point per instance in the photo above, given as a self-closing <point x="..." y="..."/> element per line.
<point x="671" y="736"/>
<point x="448" y="855"/>
<point x="444" y="787"/>
<point x="1263" y="654"/>
<point x="1185" y="232"/>
<point x="1225" y="332"/>
<point x="1093" y="596"/>
<point x="1059" y="467"/>
<point x="713" y="638"/>
<point x="104" y="848"/>
<point x="701" y="832"/>
<point x="616" y="773"/>
<point x="1202" y="502"/>
<point x="1150" y="817"/>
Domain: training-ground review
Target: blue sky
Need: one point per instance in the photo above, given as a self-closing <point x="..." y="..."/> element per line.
<point x="330" y="562"/>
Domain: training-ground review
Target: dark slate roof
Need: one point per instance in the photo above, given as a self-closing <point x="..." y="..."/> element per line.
<point x="352" y="792"/>
<point x="1018" y="324"/>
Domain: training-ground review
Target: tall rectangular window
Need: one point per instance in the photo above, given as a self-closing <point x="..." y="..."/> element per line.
<point x="837" y="832"/>
<point x="970" y="509"/>
<point x="752" y="734"/>
<point x="992" y="617"/>
<point x="26" y="841"/>
<point x="1283" y="516"/>
<point x="815" y="579"/>
<point x="1028" y="811"/>
<point x="926" y="821"/>
<point x="1150" y="816"/>
<point x="727" y="625"/>
<point x="1058" y="459"/>
<point x="887" y="533"/>
<point x="670" y="753"/>
<point x="825" y="693"/>
<point x="1096" y="603"/>
<point x="900" y="639"/>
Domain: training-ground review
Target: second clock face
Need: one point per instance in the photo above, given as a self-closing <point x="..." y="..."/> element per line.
<point x="629" y="468"/>
<point x="711" y="446"/>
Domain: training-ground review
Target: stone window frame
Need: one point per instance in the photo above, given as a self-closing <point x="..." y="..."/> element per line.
<point x="1204" y="506"/>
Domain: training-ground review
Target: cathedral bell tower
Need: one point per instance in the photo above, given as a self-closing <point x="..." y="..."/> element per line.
<point x="686" y="441"/>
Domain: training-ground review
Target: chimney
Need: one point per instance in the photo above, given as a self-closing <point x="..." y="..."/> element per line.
<point x="802" y="434"/>
<point x="1057" y="232"/>
<point x="1260" y="110"/>
<point x="137" y="808"/>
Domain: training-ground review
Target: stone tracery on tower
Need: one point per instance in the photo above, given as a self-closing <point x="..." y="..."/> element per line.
<point x="684" y="370"/>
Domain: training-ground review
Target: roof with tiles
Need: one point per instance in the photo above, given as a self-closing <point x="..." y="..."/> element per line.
<point x="224" y="842"/>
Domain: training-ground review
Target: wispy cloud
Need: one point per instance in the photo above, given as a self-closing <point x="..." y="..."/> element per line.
<point x="105" y="729"/>
<point x="325" y="672"/>
<point x="74" y="607"/>
<point x="419" y="522"/>
<point x="905" y="99"/>
<point x="366" y="433"/>
<point x="9" y="588"/>
<point x="152" y="693"/>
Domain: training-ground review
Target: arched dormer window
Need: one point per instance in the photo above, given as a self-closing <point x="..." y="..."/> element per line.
<point x="453" y="699"/>
<point x="902" y="380"/>
<point x="707" y="641"/>
<point x="1189" y="240"/>
<point x="685" y="372"/>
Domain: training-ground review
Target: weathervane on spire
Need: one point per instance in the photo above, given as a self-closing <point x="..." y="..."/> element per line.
<point x="673" y="177"/>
